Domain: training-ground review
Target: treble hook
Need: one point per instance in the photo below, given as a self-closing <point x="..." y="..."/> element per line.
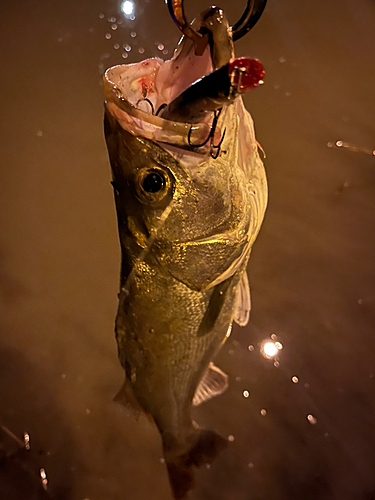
<point x="249" y="18"/>
<point x="210" y="137"/>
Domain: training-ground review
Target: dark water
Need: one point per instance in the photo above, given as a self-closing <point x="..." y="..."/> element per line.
<point x="312" y="269"/>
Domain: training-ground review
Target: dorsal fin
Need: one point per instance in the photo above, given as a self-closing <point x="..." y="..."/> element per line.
<point x="213" y="383"/>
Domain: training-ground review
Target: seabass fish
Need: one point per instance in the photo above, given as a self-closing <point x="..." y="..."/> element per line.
<point x="190" y="193"/>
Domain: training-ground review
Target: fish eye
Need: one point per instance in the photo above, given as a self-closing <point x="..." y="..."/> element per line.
<point x="153" y="184"/>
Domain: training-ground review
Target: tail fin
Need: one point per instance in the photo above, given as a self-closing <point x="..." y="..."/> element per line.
<point x="206" y="446"/>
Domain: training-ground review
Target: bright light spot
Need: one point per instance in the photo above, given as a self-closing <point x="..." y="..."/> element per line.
<point x="269" y="349"/>
<point x="161" y="46"/>
<point x="246" y="394"/>
<point x="263" y="412"/>
<point x="231" y="438"/>
<point x="295" y="380"/>
<point x="127" y="8"/>
<point x="339" y="144"/>
<point x="278" y="345"/>
<point x="311" y="419"/>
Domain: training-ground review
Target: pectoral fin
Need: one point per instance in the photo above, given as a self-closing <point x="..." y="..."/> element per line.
<point x="242" y="304"/>
<point x="213" y="383"/>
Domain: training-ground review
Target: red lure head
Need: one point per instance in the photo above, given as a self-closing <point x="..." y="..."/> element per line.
<point x="245" y="73"/>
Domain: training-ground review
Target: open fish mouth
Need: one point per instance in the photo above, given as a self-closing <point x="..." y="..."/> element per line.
<point x="183" y="101"/>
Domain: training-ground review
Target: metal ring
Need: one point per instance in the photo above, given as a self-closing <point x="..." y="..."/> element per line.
<point x="249" y="18"/>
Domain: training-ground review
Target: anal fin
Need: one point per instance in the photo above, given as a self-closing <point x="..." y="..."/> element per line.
<point x="213" y="383"/>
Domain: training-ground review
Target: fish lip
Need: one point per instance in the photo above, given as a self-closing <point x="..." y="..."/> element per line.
<point x="121" y="100"/>
<point x="141" y="123"/>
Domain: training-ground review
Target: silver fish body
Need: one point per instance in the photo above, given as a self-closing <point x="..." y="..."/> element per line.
<point x="187" y="222"/>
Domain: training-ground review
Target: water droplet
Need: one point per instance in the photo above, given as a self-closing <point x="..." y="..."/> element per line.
<point x="114" y="27"/>
<point x="295" y="379"/>
<point x="161" y="46"/>
<point x="60" y="39"/>
<point x="208" y="466"/>
<point x="141" y="50"/>
<point x="108" y="36"/>
<point x="246" y="394"/>
<point x="339" y="144"/>
<point x="326" y="434"/>
<point x="276" y="363"/>
<point x="231" y="352"/>
<point x="311" y="419"/>
<point x="238" y="379"/>
<point x="276" y="86"/>
<point x="282" y="59"/>
<point x="250" y="465"/>
<point x="133" y="34"/>
<point x="251" y="348"/>
<point x="63" y="376"/>
<point x="279" y="345"/>
<point x="112" y="19"/>
<point x="101" y="15"/>
<point x="162" y="460"/>
<point x="288" y="94"/>
<point x="39" y="133"/>
<point x="26" y="440"/>
<point x="165" y="52"/>
<point x="306" y="386"/>
<point x="88" y="411"/>
<point x="132" y="17"/>
<point x="263" y="412"/>
<point x="124" y="55"/>
<point x="330" y="144"/>
<point x="360" y="301"/>
<point x="231" y="438"/>
<point x="116" y="46"/>
<point x="127" y="47"/>
<point x="274" y="336"/>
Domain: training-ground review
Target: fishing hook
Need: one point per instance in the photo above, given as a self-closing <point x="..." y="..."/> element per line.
<point x="149" y="102"/>
<point x="247" y="21"/>
<point x="210" y="137"/>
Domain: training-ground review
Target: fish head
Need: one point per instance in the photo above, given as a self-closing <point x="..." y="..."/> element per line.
<point x="178" y="205"/>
